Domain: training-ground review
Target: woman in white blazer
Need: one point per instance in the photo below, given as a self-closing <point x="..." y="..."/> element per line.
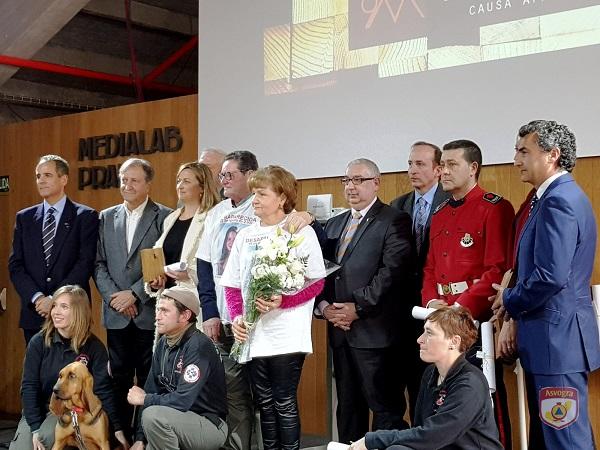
<point x="197" y="193"/>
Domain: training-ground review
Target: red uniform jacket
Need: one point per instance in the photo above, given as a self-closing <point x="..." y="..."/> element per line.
<point x="468" y="243"/>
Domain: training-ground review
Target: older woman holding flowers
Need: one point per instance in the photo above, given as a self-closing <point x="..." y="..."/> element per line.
<point x="271" y="280"/>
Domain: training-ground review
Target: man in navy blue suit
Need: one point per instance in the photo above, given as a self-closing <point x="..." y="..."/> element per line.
<point x="54" y="244"/>
<point x="551" y="301"/>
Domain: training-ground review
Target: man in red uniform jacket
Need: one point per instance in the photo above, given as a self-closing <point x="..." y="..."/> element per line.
<point x="468" y="242"/>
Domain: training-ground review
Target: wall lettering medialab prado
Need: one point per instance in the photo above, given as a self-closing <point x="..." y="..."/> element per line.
<point x="126" y="144"/>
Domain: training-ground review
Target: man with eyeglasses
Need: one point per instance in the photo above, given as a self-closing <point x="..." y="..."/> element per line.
<point x="469" y="240"/>
<point x="364" y="304"/>
<point x="183" y="401"/>
<point x="225" y="219"/>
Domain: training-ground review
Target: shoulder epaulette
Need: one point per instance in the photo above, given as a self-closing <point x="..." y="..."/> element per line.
<point x="441" y="205"/>
<point x="492" y="198"/>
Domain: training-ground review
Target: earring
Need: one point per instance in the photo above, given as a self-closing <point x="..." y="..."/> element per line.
<point x="451" y="347"/>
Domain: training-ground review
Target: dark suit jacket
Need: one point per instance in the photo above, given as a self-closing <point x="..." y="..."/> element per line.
<point x="406" y="203"/>
<point x="557" y="331"/>
<point x="120" y="270"/>
<point x="375" y="270"/>
<point x="72" y="260"/>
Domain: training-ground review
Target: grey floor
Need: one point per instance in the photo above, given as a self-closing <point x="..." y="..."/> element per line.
<point x="8" y="428"/>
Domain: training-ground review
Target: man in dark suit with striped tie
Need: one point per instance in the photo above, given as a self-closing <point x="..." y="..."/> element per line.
<point x="54" y="244"/>
<point x="427" y="195"/>
<point x="363" y="304"/>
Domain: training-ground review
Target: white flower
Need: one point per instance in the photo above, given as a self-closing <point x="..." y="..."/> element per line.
<point x="298" y="281"/>
<point x="296" y="266"/>
<point x="261" y="270"/>
<point x="271" y="253"/>
<point x="281" y="270"/>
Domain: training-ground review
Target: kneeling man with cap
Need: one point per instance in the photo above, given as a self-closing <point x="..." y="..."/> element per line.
<point x="184" y="400"/>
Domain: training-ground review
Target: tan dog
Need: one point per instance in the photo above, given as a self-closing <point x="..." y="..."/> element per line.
<point x="73" y="398"/>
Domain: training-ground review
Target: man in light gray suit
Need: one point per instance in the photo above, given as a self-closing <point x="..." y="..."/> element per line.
<point x="127" y="311"/>
<point x="424" y="175"/>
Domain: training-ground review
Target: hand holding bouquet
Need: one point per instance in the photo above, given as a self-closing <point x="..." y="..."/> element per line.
<point x="276" y="270"/>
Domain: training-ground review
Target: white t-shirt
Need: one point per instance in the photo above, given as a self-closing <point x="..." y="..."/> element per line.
<point x="223" y="221"/>
<point x="279" y="331"/>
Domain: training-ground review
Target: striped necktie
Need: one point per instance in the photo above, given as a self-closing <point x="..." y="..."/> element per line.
<point x="352" y="226"/>
<point x="534" y="201"/>
<point x="48" y="233"/>
<point x="420" y="219"/>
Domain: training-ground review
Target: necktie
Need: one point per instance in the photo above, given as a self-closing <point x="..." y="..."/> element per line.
<point x="48" y="234"/>
<point x="534" y="201"/>
<point x="420" y="220"/>
<point x="352" y="226"/>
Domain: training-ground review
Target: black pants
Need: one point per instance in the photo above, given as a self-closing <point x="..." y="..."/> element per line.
<point x="129" y="355"/>
<point x="368" y="379"/>
<point x="274" y="382"/>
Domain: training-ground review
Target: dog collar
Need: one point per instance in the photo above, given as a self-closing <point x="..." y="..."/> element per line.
<point x="77" y="409"/>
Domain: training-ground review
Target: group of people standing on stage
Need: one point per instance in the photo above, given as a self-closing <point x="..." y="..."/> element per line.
<point x="445" y="244"/>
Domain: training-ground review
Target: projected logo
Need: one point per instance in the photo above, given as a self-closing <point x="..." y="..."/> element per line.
<point x="396" y="37"/>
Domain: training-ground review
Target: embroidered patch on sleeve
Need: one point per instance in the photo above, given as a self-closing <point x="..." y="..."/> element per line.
<point x="191" y="374"/>
<point x="559" y="406"/>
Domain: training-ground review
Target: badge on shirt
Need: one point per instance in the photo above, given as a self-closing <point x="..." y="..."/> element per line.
<point x="179" y="366"/>
<point x="559" y="406"/>
<point x="440" y="400"/>
<point x="466" y="240"/>
<point x="191" y="374"/>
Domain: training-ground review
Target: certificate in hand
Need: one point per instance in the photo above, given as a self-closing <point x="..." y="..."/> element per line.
<point x="153" y="263"/>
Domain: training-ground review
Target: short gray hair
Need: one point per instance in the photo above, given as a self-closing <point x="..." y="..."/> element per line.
<point x="371" y="166"/>
<point x="138" y="162"/>
<point x="62" y="166"/>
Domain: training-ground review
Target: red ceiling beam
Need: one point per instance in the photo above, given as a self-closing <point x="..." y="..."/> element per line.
<point x="160" y="69"/>
<point x="91" y="74"/>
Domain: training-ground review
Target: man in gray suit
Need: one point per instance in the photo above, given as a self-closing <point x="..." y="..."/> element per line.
<point x="424" y="174"/>
<point x="127" y="311"/>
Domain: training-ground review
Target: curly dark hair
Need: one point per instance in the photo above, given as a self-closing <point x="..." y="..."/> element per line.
<point x="551" y="134"/>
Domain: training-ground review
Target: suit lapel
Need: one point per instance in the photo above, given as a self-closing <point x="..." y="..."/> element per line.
<point x="120" y="224"/>
<point x="148" y="216"/>
<point x="38" y="225"/>
<point x="62" y="230"/>
<point x="438" y="198"/>
<point x="540" y="204"/>
<point x="364" y="224"/>
<point x="409" y="204"/>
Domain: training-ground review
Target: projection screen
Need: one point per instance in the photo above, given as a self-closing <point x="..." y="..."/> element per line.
<point x="311" y="84"/>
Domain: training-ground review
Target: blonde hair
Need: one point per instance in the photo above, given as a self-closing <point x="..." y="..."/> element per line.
<point x="210" y="196"/>
<point x="81" y="317"/>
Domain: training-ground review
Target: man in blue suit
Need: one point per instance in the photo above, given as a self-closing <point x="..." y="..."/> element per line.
<point x="54" y="244"/>
<point x="551" y="300"/>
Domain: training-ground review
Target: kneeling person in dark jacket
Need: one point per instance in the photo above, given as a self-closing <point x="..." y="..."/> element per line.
<point x="454" y="408"/>
<point x="184" y="399"/>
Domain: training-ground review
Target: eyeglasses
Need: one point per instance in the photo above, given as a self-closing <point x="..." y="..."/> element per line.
<point x="355" y="180"/>
<point x="229" y="175"/>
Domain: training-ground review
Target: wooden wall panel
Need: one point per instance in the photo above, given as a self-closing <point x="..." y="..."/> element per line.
<point x="22" y="144"/>
<point x="504" y="180"/>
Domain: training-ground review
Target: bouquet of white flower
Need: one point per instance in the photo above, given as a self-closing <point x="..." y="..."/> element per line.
<point x="275" y="270"/>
